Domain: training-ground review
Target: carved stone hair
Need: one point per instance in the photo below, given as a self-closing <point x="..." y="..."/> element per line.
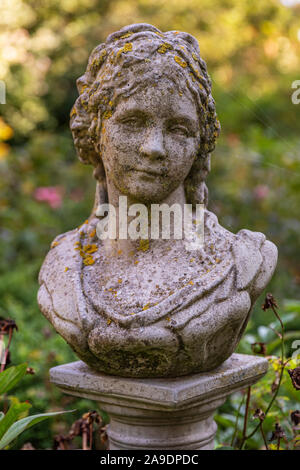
<point x="125" y="62"/>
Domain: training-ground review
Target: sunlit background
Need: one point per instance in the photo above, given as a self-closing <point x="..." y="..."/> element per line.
<point x="252" y="49"/>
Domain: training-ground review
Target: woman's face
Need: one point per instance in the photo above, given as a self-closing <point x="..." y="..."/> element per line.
<point x="150" y="142"/>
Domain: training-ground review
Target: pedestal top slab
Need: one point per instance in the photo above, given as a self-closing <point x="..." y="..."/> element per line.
<point x="237" y="372"/>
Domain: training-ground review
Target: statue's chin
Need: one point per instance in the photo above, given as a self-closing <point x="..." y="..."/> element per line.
<point x="145" y="190"/>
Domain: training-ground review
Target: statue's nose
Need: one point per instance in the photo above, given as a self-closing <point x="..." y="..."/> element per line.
<point x="153" y="146"/>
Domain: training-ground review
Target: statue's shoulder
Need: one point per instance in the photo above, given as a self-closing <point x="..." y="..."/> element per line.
<point x="59" y="280"/>
<point x="61" y="257"/>
<point x="255" y="259"/>
<point x="254" y="256"/>
<point x="60" y="297"/>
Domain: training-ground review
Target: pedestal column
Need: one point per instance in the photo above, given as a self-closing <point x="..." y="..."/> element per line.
<point x="174" y="413"/>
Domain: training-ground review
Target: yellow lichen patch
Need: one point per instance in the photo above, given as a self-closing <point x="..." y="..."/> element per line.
<point x="194" y="56"/>
<point x="120" y="281"/>
<point x="192" y="259"/>
<point x="111" y="58"/>
<point x="132" y="313"/>
<point x="144" y="245"/>
<point x="109" y="321"/>
<point x="73" y="112"/>
<point x="159" y="34"/>
<point x="54" y="244"/>
<point x="179" y="61"/>
<point x="196" y="72"/>
<point x="107" y="115"/>
<point x="136" y="261"/>
<point x="191" y="283"/>
<point x="218" y="260"/>
<point x="120" y="252"/>
<point x="98" y="60"/>
<point x="146" y="306"/>
<point x="164" y="47"/>
<point x="168" y="319"/>
<point x="85" y="252"/>
<point x="66" y="269"/>
<point x="88" y="260"/>
<point x="126" y="48"/>
<point x="110" y="103"/>
<point x="90" y="248"/>
<point x="127" y="35"/>
<point x="92" y="233"/>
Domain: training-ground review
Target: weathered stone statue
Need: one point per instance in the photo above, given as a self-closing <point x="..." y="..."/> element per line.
<point x="146" y="120"/>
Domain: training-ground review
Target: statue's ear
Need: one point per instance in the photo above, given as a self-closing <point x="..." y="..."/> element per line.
<point x="247" y="255"/>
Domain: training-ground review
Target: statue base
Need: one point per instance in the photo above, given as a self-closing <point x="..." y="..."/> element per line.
<point x="175" y="413"/>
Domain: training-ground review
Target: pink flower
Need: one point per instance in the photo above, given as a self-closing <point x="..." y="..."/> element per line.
<point x="52" y="195"/>
<point x="233" y="139"/>
<point x="261" y="192"/>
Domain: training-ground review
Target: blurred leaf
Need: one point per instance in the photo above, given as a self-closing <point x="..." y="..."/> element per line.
<point x="11" y="377"/>
<point x="14" y="413"/>
<point x="19" y="426"/>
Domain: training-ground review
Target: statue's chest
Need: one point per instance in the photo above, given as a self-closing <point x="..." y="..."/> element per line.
<point x="131" y="285"/>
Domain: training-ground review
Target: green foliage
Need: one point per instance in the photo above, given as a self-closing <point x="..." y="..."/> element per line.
<point x="253" y="56"/>
<point x="11" y="377"/>
<point x="20" y="425"/>
<point x="15" y="421"/>
<point x="230" y="417"/>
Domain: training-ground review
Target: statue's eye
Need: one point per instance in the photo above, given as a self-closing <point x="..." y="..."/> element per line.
<point x="178" y="129"/>
<point x="134" y="121"/>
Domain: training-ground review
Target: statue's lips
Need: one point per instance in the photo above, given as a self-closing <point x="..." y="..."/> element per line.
<point x="146" y="172"/>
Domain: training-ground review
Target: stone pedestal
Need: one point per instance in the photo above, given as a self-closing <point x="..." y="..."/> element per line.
<point x="174" y="413"/>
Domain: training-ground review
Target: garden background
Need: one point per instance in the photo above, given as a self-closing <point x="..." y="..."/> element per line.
<point x="252" y="51"/>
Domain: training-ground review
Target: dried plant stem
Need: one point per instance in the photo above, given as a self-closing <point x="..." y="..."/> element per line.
<point x="85" y="441"/>
<point x="278" y="443"/>
<point x="246" y="413"/>
<point x="263" y="435"/>
<point x="283" y="364"/>
<point x="91" y="435"/>
<point x="237" y="420"/>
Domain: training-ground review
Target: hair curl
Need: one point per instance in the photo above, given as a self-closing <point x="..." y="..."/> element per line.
<point x="104" y="82"/>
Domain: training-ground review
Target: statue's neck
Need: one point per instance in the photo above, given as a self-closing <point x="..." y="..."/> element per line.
<point x="122" y="204"/>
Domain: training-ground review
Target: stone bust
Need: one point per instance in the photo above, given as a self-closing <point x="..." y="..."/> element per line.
<point x="146" y="120"/>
